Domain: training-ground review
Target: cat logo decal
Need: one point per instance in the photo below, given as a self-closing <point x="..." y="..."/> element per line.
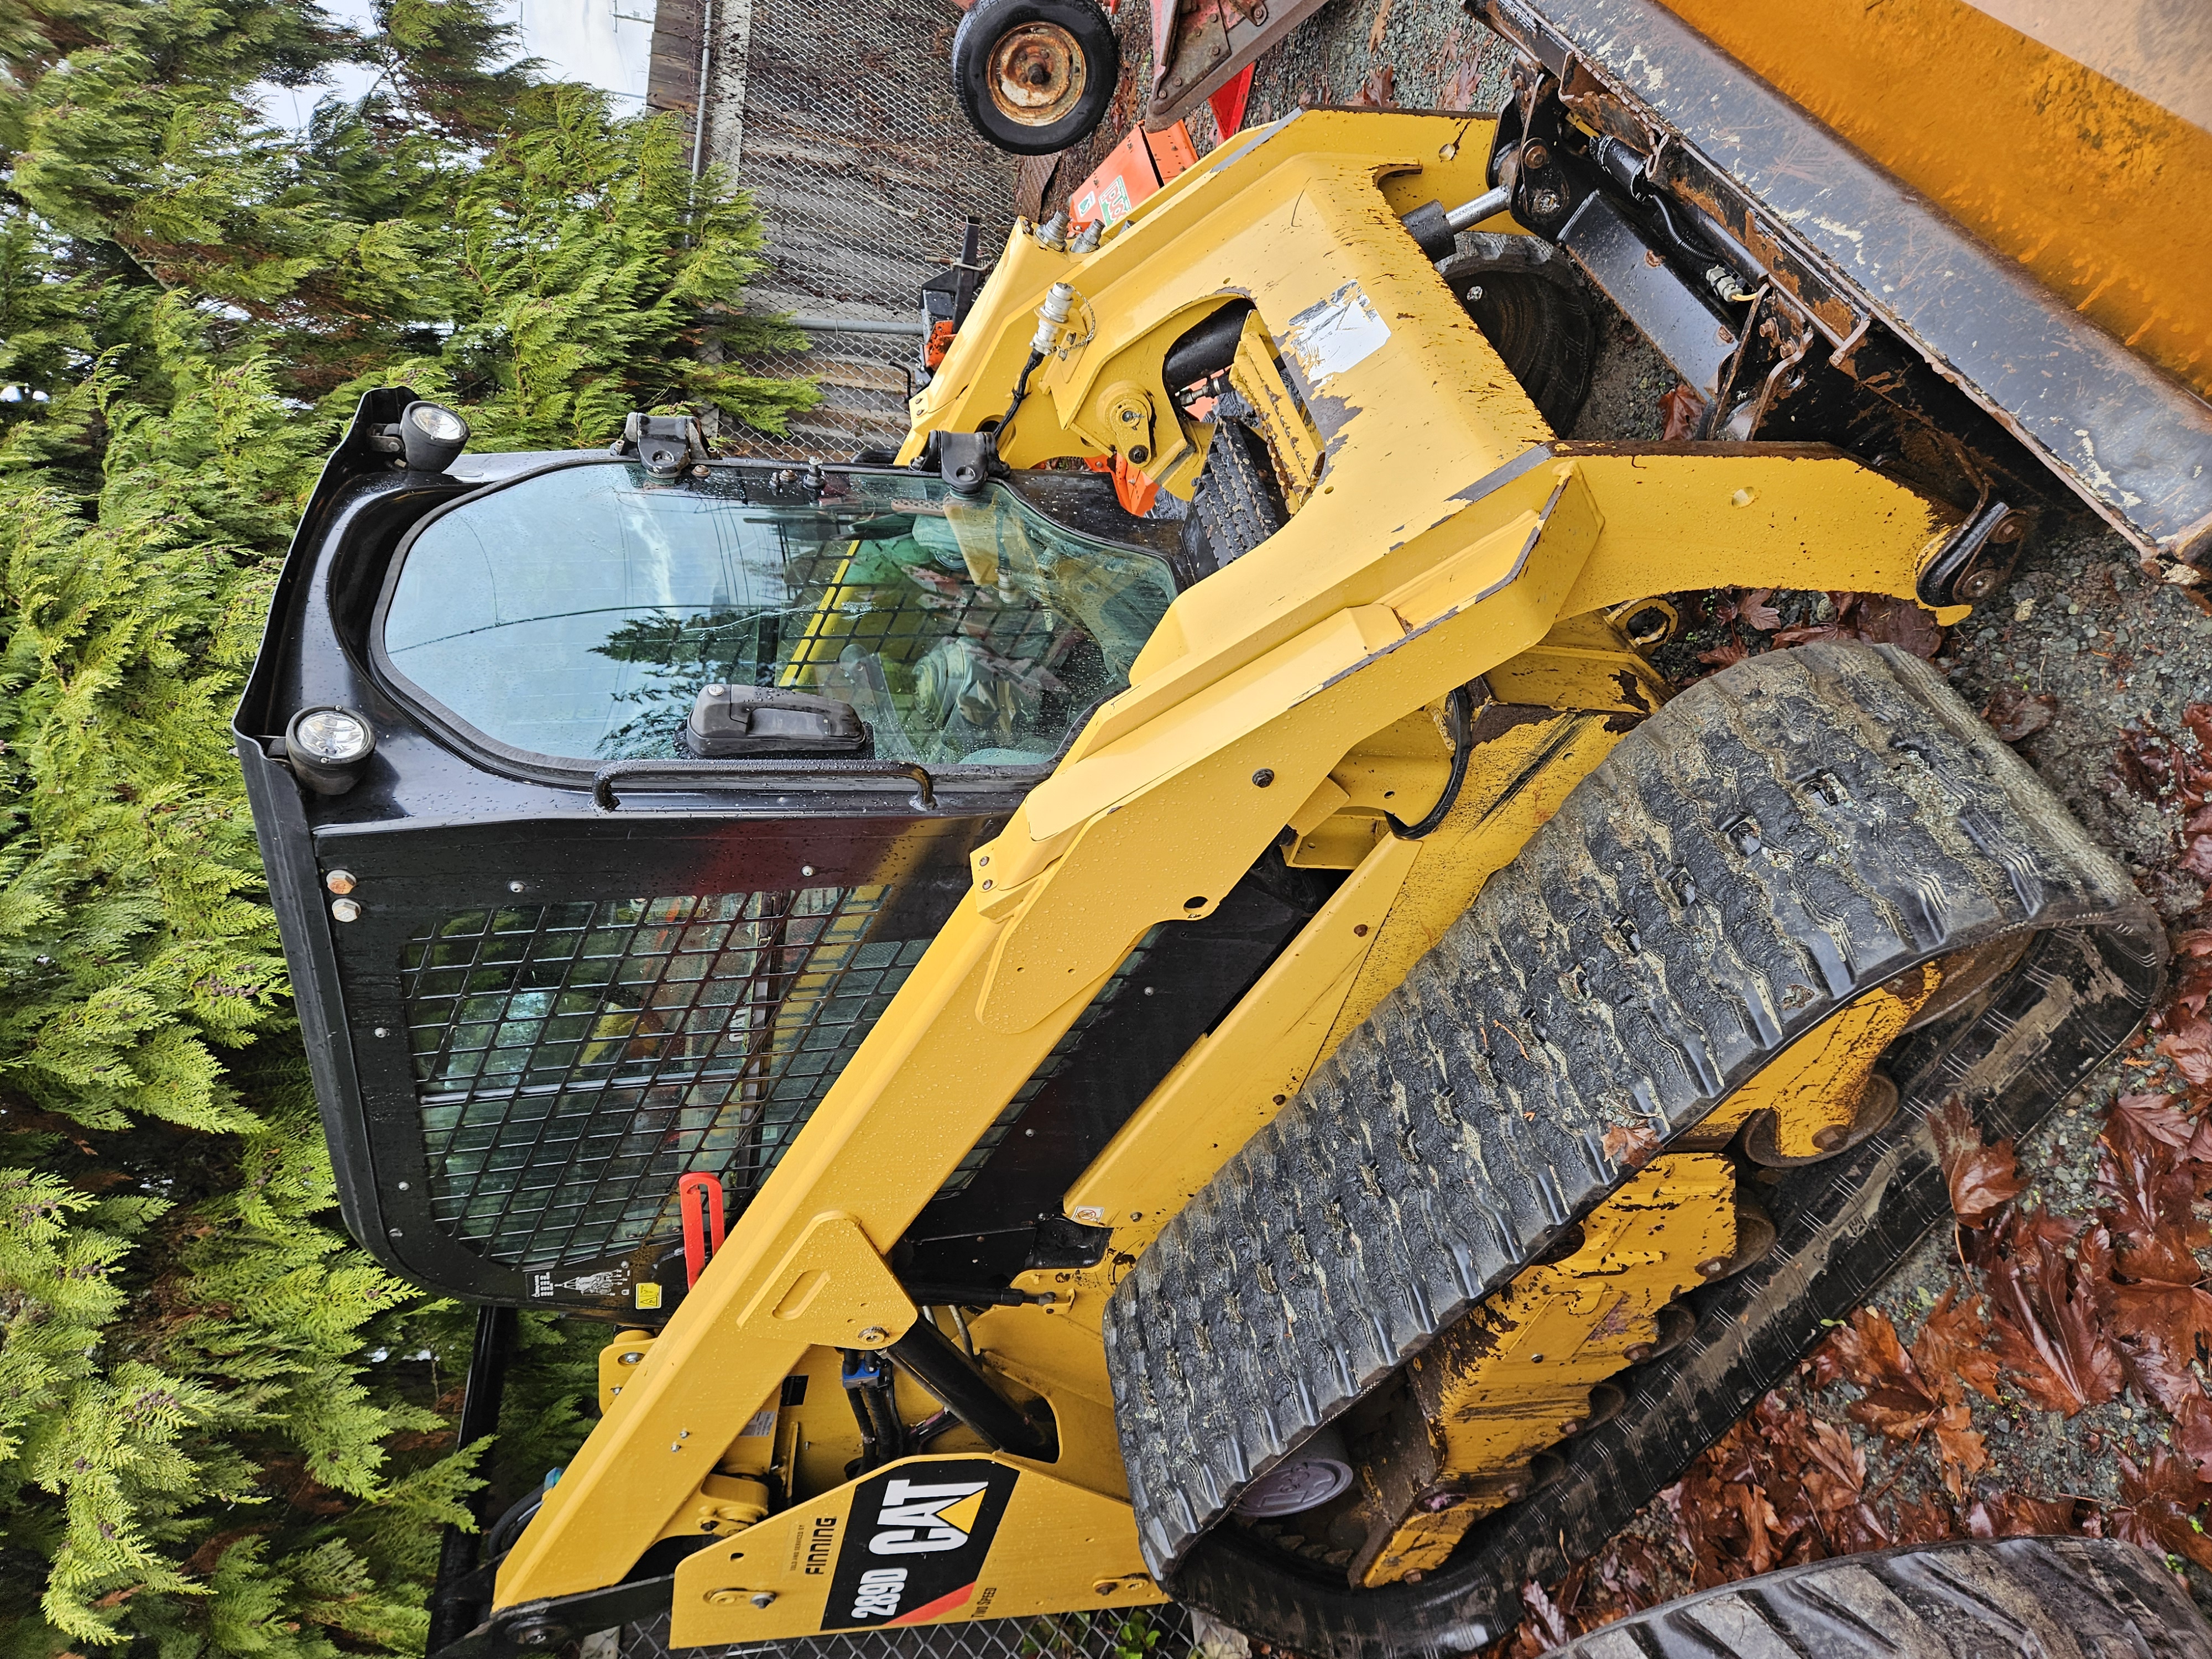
<point x="917" y="1541"/>
<point x="920" y="1518"/>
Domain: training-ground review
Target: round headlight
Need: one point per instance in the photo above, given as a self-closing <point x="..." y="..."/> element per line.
<point x="439" y="423"/>
<point x="326" y="748"/>
<point x="431" y="436"/>
<point x="334" y="736"/>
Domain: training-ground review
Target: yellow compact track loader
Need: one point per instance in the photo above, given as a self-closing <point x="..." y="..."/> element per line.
<point x="1152" y="998"/>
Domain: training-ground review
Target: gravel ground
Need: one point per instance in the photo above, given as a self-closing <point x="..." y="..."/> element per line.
<point x="2082" y="636"/>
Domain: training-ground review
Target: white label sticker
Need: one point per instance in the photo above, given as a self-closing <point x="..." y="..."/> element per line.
<point x="1326" y="339"/>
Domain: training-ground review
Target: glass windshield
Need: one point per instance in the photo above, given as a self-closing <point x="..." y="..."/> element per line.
<point x="579" y="612"/>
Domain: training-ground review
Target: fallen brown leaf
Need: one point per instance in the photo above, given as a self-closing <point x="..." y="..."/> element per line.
<point x="2193" y="1434"/>
<point x="1624" y="1577"/>
<point x="1546" y="1628"/>
<point x="1379" y="90"/>
<point x="1960" y="1444"/>
<point x="2155" y="1116"/>
<point x="1983" y="1179"/>
<point x="2196" y="846"/>
<point x="1869" y="1352"/>
<point x="1808" y="634"/>
<point x="1629" y="1573"/>
<point x="1909" y="1394"/>
<point x="2147" y="1192"/>
<point x="1954" y="1344"/>
<point x="1630" y="1144"/>
<point x="1724" y="655"/>
<point x="2158" y="1507"/>
<point x="1875" y="617"/>
<point x="1884" y="620"/>
<point x="1924" y="1521"/>
<point x="1759" y="611"/>
<point x="1837" y="1478"/>
<point x="2188" y="1044"/>
<point x="1460" y="90"/>
<point x="2186" y="1022"/>
<point x="2016" y="1515"/>
<point x="2192" y="979"/>
<point x="2049" y="1326"/>
<point x="2161" y="1315"/>
<point x="2143" y="763"/>
<point x="1834" y="1478"/>
<point x="2014" y="714"/>
<point x="1681" y="410"/>
<point x="1375" y="29"/>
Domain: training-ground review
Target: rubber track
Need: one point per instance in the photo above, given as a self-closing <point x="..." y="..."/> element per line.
<point x="2057" y="1598"/>
<point x="1844" y="1224"/>
<point x="1778" y="838"/>
<point x="1236" y="504"/>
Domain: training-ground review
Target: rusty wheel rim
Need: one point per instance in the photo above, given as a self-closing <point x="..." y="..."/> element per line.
<point x="1036" y="74"/>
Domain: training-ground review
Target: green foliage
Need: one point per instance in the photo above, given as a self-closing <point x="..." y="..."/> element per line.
<point x="587" y="262"/>
<point x="1134" y="1634"/>
<point x="591" y="275"/>
<point x="223" y="1429"/>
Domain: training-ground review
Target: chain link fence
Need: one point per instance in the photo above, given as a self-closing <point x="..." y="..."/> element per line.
<point x="839" y="118"/>
<point x="1159" y="1632"/>
<point x="864" y="378"/>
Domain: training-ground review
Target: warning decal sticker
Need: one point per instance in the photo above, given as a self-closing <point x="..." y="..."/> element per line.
<point x="916" y="1542"/>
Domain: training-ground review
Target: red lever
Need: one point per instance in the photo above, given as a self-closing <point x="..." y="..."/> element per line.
<point x="700" y="1198"/>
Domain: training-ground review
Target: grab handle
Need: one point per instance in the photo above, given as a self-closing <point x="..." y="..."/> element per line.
<point x="699" y="1197"/>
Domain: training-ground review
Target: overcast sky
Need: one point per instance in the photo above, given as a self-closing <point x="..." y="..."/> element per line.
<point x="603" y="43"/>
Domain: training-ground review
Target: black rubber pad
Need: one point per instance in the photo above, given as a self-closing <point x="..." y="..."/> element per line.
<point x="2057" y="1598"/>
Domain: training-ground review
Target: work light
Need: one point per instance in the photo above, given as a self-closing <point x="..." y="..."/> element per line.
<point x="327" y="746"/>
<point x="431" y="437"/>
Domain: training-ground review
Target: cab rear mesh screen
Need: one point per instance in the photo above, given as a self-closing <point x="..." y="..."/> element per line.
<point x="573" y="1059"/>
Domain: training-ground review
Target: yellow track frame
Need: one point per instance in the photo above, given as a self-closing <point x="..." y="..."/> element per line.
<point x="1446" y="537"/>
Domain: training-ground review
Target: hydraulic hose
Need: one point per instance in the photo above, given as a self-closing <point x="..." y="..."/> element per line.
<point x="1052" y="317"/>
<point x="1459" y="712"/>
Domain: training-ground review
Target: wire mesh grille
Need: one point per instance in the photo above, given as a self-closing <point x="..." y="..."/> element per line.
<point x="572" y="1060"/>
<point x="1159" y="1632"/>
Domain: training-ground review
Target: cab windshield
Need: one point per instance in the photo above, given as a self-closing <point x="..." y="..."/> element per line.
<point x="578" y="612"/>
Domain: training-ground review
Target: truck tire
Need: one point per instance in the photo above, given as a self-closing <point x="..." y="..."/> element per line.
<point x="1035" y="76"/>
<point x="2056" y="1598"/>
<point x="1774" y="842"/>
